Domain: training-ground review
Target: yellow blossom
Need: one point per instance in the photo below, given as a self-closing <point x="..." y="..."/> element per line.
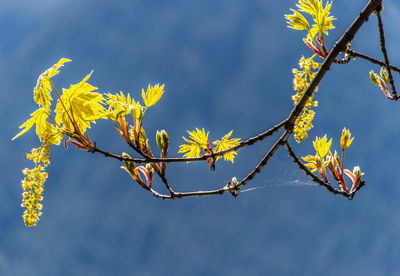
<point x="301" y="80"/>
<point x="33" y="188"/>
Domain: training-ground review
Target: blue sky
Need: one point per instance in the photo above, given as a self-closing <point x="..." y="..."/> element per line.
<point x="225" y="67"/>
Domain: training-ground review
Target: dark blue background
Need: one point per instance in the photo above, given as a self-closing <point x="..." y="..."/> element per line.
<point x="226" y="65"/>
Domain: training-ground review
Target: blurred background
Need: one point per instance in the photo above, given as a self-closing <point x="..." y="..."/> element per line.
<point x="226" y="65"/>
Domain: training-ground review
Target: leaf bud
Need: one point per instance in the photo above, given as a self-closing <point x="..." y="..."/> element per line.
<point x="165" y="138"/>
<point x="385" y="75"/>
<point x="159" y="140"/>
<point x="234" y="181"/>
<point x="374" y="77"/>
<point x="162" y="140"/>
<point x="129" y="165"/>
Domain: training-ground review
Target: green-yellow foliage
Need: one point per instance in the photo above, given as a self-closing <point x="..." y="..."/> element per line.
<point x="121" y="105"/>
<point x="79" y="106"/>
<point x="152" y="95"/>
<point x="320" y="15"/>
<point x="199" y="142"/>
<point x="41" y="93"/>
<point x="226" y="143"/>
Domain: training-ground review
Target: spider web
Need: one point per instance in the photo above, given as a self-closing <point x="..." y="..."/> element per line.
<point x="280" y="174"/>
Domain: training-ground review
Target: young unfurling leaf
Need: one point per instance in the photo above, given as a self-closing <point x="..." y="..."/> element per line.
<point x="226" y="143"/>
<point x="122" y="105"/>
<point x="322" y="19"/>
<point x="41" y="92"/>
<point x="44" y="129"/>
<point x="297" y="21"/>
<point x="152" y="95"/>
<point x="81" y="105"/>
<point x="198" y="142"/>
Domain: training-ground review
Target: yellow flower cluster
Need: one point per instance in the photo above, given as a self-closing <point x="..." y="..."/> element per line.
<point x="302" y="79"/>
<point x="40" y="155"/>
<point x="33" y="182"/>
<point x="33" y="186"/>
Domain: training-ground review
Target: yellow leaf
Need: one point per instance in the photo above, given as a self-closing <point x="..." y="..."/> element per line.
<point x="198" y="142"/>
<point x="322" y="146"/>
<point x="41" y="92"/>
<point x="297" y="21"/>
<point x="44" y="129"/>
<point x="121" y="105"/>
<point x="226" y="143"/>
<point x="82" y="106"/>
<point x="152" y="95"/>
<point x="345" y="139"/>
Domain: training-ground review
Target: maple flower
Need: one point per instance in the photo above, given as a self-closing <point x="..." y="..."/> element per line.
<point x="41" y="92"/>
<point x="302" y="79"/>
<point x="33" y="186"/>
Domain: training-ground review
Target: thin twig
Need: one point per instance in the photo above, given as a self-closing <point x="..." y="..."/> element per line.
<point x="355" y="54"/>
<point x="148" y="159"/>
<point x="265" y="159"/>
<point x="165" y="181"/>
<point x="384" y="52"/>
<point x="311" y="175"/>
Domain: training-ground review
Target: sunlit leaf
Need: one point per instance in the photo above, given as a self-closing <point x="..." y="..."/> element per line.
<point x="44" y="129"/>
<point x="82" y="106"/>
<point x="226" y="143"/>
<point x="152" y="95"/>
<point x="120" y="105"/>
<point x="198" y="142"/>
<point x="41" y="92"/>
<point x="297" y="21"/>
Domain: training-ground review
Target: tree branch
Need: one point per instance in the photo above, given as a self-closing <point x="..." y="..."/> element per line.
<point x="384" y="52"/>
<point x="288" y="124"/>
<point x="355" y="54"/>
<point x="148" y="159"/>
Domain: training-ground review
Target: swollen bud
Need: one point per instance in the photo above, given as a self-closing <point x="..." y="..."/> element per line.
<point x="159" y="140"/>
<point x="234" y="181"/>
<point x="374" y="77"/>
<point x="129" y="165"/>
<point x="162" y="140"/>
<point x="165" y="138"/>
<point x="385" y="75"/>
